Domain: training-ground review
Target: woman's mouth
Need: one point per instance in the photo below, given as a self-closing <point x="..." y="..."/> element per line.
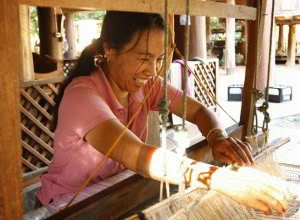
<point x="140" y="81"/>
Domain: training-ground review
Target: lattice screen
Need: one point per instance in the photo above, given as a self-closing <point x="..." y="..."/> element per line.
<point x="36" y="107"/>
<point x="69" y="65"/>
<point x="207" y="74"/>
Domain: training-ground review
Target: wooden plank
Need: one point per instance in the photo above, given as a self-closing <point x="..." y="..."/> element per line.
<point x="51" y="86"/>
<point x="37" y="122"/>
<point x="288" y="22"/>
<point x="11" y="201"/>
<point x="246" y="116"/>
<point x="42" y="92"/>
<point x="203" y="8"/>
<point x="114" y="201"/>
<point x="287" y="13"/>
<point x="42" y="82"/>
<point x="35" y="153"/>
<point x="35" y="104"/>
<point x="29" y="165"/>
<point x="37" y="139"/>
<point x="27" y="70"/>
<point x="33" y="177"/>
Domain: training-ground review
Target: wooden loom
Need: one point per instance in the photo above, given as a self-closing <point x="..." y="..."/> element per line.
<point x="116" y="198"/>
<point x="11" y="194"/>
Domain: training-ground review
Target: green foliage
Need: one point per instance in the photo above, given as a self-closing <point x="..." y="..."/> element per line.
<point x="98" y="15"/>
<point x="216" y="23"/>
<point x="34" y="25"/>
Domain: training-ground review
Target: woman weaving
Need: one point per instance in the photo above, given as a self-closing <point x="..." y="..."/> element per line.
<point x="101" y="95"/>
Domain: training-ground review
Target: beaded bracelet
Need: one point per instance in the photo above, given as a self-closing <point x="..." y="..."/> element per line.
<point x="216" y="129"/>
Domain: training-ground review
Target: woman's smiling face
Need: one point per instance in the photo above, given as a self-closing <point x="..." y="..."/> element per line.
<point x="138" y="61"/>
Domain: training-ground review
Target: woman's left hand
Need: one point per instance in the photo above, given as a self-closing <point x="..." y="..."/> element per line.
<point x="231" y="150"/>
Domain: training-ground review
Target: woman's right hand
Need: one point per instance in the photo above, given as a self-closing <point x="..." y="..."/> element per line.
<point x="252" y="188"/>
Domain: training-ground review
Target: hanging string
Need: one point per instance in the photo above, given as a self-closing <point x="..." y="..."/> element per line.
<point x="267" y="118"/>
<point x="186" y="54"/>
<point x="163" y="104"/>
<point x="163" y="107"/>
<point x="255" y="92"/>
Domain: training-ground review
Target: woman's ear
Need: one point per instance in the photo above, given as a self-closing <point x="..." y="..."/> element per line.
<point x="107" y="49"/>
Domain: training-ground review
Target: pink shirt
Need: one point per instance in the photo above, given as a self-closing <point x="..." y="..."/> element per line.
<point x="87" y="102"/>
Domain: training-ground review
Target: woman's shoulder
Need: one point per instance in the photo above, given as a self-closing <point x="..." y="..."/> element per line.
<point x="82" y="82"/>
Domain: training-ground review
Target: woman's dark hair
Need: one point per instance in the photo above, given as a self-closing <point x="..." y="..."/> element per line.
<point x="118" y="29"/>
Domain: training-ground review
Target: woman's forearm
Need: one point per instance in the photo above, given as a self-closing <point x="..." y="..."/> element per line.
<point x="206" y="120"/>
<point x="167" y="165"/>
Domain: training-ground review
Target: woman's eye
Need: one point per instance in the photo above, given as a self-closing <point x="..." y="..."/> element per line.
<point x="159" y="61"/>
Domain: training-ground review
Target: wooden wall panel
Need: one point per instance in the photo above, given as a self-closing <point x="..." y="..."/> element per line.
<point x="11" y="206"/>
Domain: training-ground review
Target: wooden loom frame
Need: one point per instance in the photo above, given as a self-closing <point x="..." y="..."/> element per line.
<point x="11" y="206"/>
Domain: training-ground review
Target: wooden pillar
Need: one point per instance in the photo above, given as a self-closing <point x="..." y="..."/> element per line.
<point x="50" y="43"/>
<point x="70" y="36"/>
<point x="198" y="37"/>
<point x="247" y="100"/>
<point x="246" y="41"/>
<point x="280" y="39"/>
<point x="273" y="54"/>
<point x="264" y="32"/>
<point x="230" y="43"/>
<point x="11" y="201"/>
<point x="27" y="71"/>
<point x="291" y="46"/>
<point x="208" y="30"/>
<point x="243" y="43"/>
<point x="179" y="37"/>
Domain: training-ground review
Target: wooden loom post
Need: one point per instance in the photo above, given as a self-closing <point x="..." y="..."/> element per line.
<point x="11" y="205"/>
<point x="247" y="99"/>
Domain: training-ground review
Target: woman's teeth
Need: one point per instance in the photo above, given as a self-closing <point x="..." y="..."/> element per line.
<point x="141" y="81"/>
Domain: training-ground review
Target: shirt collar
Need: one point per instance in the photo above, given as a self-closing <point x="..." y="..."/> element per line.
<point x="105" y="89"/>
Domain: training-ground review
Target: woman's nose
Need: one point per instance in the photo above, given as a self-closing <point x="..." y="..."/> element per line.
<point x="152" y="70"/>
